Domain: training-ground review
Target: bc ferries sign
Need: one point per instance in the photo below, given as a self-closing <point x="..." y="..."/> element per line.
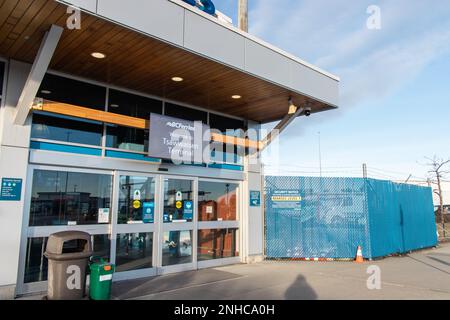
<point x="204" y="5"/>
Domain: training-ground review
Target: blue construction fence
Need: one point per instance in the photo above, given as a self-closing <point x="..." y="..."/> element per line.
<point x="313" y="217"/>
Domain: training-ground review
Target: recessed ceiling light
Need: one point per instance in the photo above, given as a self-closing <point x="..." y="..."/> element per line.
<point x="46" y="91"/>
<point x="114" y="105"/>
<point x="98" y="55"/>
<point x="236" y="96"/>
<point x="177" y="79"/>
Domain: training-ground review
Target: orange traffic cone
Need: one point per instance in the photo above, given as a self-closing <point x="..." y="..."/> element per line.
<point x="359" y="256"/>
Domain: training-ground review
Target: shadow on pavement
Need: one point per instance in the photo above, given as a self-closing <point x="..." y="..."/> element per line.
<point x="129" y="289"/>
<point x="300" y="290"/>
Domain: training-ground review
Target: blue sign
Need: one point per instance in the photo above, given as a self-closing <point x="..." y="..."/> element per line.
<point x="255" y="198"/>
<point x="188" y="210"/>
<point x="166" y="217"/>
<point x="148" y="212"/>
<point x="205" y="5"/>
<point x="11" y="189"/>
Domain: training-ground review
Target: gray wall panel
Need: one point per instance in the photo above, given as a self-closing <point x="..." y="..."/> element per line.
<point x="314" y="84"/>
<point x="267" y="63"/>
<point x="213" y="40"/>
<point x="159" y="18"/>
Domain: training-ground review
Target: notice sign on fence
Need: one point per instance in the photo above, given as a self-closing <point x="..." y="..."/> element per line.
<point x="286" y="199"/>
<point x="11" y="189"/>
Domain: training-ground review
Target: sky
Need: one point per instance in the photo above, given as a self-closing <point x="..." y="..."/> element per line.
<point x="395" y="84"/>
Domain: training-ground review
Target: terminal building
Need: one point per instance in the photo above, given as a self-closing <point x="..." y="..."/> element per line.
<point x="83" y="84"/>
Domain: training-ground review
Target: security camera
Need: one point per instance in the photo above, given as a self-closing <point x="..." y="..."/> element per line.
<point x="307" y="111"/>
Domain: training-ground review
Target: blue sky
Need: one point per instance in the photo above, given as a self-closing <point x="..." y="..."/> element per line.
<point x="395" y="86"/>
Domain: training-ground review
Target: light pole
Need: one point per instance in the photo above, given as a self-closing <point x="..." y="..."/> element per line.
<point x="320" y="156"/>
<point x="243" y="15"/>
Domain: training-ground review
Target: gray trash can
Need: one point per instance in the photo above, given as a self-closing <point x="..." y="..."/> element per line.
<point x="68" y="254"/>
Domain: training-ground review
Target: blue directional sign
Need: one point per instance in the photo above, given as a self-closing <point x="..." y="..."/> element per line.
<point x="11" y="189"/>
<point x="255" y="198"/>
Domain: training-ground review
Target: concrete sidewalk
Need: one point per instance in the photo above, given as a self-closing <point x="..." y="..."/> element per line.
<point x="420" y="275"/>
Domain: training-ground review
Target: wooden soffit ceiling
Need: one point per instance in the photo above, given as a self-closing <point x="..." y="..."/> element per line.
<point x="139" y="62"/>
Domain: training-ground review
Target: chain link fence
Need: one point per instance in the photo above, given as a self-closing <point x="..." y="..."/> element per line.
<point x="328" y="218"/>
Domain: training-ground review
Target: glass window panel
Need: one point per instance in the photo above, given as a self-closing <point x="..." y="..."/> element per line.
<point x="102" y="246"/>
<point x="217" y="201"/>
<point x="134" y="251"/>
<point x="178" y="201"/>
<point x="36" y="265"/>
<point x="133" y="105"/>
<point x="65" y="198"/>
<point x="224" y="123"/>
<point x="61" y="128"/>
<point x="136" y="200"/>
<point x="217" y="244"/>
<point x="61" y="89"/>
<point x="126" y="138"/>
<point x="177" y="247"/>
<point x="228" y="153"/>
<point x="180" y="112"/>
<point x="2" y="77"/>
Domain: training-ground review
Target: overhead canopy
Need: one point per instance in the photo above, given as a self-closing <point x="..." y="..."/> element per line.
<point x="142" y="62"/>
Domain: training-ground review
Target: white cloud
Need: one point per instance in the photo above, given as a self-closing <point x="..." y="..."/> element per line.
<point x="333" y="35"/>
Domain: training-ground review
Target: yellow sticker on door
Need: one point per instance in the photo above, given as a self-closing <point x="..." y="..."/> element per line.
<point x="136" y="204"/>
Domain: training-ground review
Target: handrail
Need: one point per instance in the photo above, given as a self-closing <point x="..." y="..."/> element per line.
<point x="127" y="121"/>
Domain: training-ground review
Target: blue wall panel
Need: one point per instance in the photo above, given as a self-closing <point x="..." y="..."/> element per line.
<point x="335" y="215"/>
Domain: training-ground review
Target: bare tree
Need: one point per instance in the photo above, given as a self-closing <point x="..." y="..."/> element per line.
<point x="437" y="172"/>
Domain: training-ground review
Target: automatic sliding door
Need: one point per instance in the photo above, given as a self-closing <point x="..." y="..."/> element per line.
<point x="178" y="219"/>
<point x="135" y="231"/>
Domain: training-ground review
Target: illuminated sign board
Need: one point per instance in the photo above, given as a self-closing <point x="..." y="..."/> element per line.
<point x="204" y="5"/>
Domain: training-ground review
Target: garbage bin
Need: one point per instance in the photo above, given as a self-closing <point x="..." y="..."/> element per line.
<point x="100" y="279"/>
<point x="68" y="254"/>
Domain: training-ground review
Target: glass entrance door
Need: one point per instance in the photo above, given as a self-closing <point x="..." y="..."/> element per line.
<point x="177" y="224"/>
<point x="135" y="232"/>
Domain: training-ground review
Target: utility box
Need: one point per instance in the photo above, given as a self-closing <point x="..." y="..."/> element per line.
<point x="68" y="255"/>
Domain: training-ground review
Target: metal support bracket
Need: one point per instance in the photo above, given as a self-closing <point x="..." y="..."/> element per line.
<point x="37" y="73"/>
<point x="280" y="127"/>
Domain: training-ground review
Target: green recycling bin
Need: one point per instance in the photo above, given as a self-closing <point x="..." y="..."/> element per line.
<point x="100" y="279"/>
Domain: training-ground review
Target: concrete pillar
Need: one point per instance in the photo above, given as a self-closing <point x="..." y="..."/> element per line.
<point x="14" y="151"/>
<point x="253" y="217"/>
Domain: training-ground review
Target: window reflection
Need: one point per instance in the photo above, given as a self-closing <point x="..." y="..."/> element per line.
<point x="68" y="198"/>
<point x="36" y="264"/>
<point x="2" y="75"/>
<point x="180" y="112"/>
<point x="102" y="246"/>
<point x="65" y="90"/>
<point x="126" y="138"/>
<point x="134" y="251"/>
<point x="132" y="105"/>
<point x="178" y="201"/>
<point x="177" y="247"/>
<point x="217" y="201"/>
<point x="217" y="244"/>
<point x="136" y="199"/>
<point x="67" y="129"/>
